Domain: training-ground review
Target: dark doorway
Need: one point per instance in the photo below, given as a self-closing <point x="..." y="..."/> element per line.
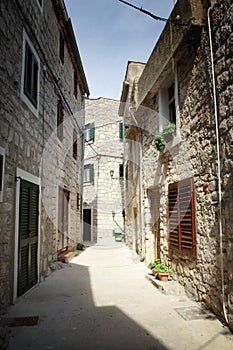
<point x="87" y="224"/>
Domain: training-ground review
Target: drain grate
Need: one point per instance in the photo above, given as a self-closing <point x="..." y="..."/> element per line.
<point x="194" y="313"/>
<point x="19" y="321"/>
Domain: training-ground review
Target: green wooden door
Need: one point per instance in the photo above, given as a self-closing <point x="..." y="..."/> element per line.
<point x="28" y="236"/>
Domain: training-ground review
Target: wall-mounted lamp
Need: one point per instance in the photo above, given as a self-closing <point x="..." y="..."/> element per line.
<point x="111" y="173"/>
<point x="113" y="214"/>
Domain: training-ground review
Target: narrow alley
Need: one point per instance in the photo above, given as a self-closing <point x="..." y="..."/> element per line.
<point x="102" y="300"/>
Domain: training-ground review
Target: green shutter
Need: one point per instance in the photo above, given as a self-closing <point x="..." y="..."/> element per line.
<point x="92" y="131"/>
<point x="121" y="134"/>
<point x="1" y="171"/>
<point x="121" y="171"/>
<point x="91" y="172"/>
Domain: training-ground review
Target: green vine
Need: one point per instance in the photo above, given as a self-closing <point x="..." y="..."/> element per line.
<point x="169" y="131"/>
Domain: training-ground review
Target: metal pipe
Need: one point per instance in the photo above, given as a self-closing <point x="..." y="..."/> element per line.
<point x="219" y="169"/>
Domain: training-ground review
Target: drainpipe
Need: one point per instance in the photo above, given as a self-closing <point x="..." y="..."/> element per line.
<point x="218" y="171"/>
<point x="82" y="163"/>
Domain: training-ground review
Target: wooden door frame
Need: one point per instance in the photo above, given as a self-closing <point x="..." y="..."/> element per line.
<point x="24" y="175"/>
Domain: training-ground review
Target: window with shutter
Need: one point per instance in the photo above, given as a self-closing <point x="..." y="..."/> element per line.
<point x="31" y="75"/>
<point x="88" y="173"/>
<point x="75" y="84"/>
<point x="90" y="132"/>
<point x="182" y="226"/>
<point x="121" y="133"/>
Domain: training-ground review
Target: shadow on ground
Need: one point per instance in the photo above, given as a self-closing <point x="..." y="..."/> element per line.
<point x="69" y="319"/>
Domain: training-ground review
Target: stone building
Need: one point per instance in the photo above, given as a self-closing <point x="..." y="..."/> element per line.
<point x="181" y="186"/>
<point x="103" y="199"/>
<point x="41" y="120"/>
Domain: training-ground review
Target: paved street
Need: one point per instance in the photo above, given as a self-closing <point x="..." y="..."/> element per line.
<point x="102" y="300"/>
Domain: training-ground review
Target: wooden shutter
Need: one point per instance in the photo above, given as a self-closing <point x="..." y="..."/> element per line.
<point x="121" y="134"/>
<point x="91" y="172"/>
<point x="92" y="131"/>
<point x="28" y="236"/>
<point x="182" y="227"/>
<point x="173" y="215"/>
<point x="62" y="48"/>
<point x="75" y="84"/>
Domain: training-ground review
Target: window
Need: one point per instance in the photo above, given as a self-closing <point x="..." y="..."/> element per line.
<point x="88" y="173"/>
<point x="30" y="76"/>
<point x="75" y="144"/>
<point x="121" y="171"/>
<point x="171" y="104"/>
<point x="182" y="227"/>
<point x="60" y="119"/>
<point x="89" y="132"/>
<point x="61" y="48"/>
<point x="2" y="167"/>
<point x="121" y="131"/>
<point x="75" y="84"/>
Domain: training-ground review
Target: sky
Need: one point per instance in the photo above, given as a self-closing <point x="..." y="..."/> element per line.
<point x="109" y="33"/>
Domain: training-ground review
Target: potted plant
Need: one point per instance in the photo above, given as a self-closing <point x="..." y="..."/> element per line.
<point x="159" y="142"/>
<point x="163" y="272"/>
<point x="153" y="265"/>
<point x="163" y="137"/>
<point x="169" y="131"/>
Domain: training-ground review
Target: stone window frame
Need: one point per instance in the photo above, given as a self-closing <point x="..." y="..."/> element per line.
<point x="2" y="172"/>
<point x="31" y="101"/>
<point x="182" y="217"/>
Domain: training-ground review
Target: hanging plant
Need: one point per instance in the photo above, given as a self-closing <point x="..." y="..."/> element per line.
<point x="169" y="131"/>
<point x="159" y="142"/>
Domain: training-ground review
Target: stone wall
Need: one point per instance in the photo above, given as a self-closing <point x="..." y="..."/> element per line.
<point x="106" y="153"/>
<point x="193" y="153"/>
<point x="30" y="141"/>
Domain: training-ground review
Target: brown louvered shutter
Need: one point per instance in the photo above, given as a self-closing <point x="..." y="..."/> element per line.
<point x="182" y="226"/>
<point x="173" y="215"/>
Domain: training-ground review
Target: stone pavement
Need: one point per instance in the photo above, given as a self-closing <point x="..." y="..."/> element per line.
<point x="102" y="301"/>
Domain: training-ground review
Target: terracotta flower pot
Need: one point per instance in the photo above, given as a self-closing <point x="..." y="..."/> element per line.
<point x="154" y="273"/>
<point x="163" y="276"/>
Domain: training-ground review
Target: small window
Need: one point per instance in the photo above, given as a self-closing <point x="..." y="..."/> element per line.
<point x="75" y="84"/>
<point x="2" y="167"/>
<point x="31" y="75"/>
<point x="172" y="104"/>
<point x="60" y="119"/>
<point x="121" y="171"/>
<point x="75" y="144"/>
<point x="88" y="173"/>
<point x="62" y="48"/>
<point x="121" y="131"/>
<point x="182" y="227"/>
<point x="89" y="132"/>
